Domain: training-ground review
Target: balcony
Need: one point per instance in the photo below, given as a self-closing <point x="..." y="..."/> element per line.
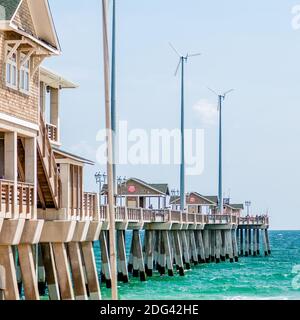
<point x="52" y="133"/>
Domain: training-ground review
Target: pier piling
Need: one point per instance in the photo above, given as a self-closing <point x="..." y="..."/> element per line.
<point x="50" y="270"/>
<point x="167" y="247"/>
<point x="200" y="246"/>
<point x="254" y="243"/>
<point x="218" y="246"/>
<point x="178" y="253"/>
<point x="77" y="271"/>
<point x="246" y="242"/>
<point x="257" y="244"/>
<point x="138" y="259"/>
<point x="241" y="242"/>
<point x="122" y="260"/>
<point x="105" y="263"/>
<point x="185" y="249"/>
<point x="235" y="245"/>
<point x="268" y="241"/>
<point x="2" y="282"/>
<point x="264" y="242"/>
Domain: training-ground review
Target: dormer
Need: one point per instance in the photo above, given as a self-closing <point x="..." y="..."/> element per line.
<point x="51" y="85"/>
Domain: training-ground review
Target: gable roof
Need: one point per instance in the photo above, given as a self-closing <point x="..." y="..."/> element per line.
<point x="8" y="8"/>
<point x="238" y="206"/>
<point x="209" y="199"/>
<point x="162" y="188"/>
<point x="42" y="20"/>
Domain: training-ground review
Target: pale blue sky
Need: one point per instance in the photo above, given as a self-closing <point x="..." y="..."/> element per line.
<point x="248" y="45"/>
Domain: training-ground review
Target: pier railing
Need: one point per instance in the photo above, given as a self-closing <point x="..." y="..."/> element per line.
<point x="25" y="200"/>
<point x="7" y="199"/>
<point x="254" y="220"/>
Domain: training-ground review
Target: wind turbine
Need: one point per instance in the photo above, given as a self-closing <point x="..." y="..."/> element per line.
<point x="182" y="60"/>
<point x="221" y="98"/>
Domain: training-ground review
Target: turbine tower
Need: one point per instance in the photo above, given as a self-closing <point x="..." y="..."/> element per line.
<point x="182" y="60"/>
<point x="221" y="98"/>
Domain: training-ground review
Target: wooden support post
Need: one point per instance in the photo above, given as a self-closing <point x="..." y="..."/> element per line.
<point x="194" y="247"/>
<point x="218" y="245"/>
<point x="41" y="272"/>
<point x="254" y="243"/>
<point x="149" y="262"/>
<point x="63" y="272"/>
<point x="167" y="248"/>
<point x="258" y="244"/>
<point x="178" y="252"/>
<point x="28" y="271"/>
<point x="77" y="271"/>
<point x="268" y="241"/>
<point x="223" y="248"/>
<point x="200" y="246"/>
<point x="235" y="245"/>
<point x="105" y="263"/>
<point x="241" y="242"/>
<point x="91" y="270"/>
<point x="246" y="242"/>
<point x="206" y="245"/>
<point x="122" y="260"/>
<point x="50" y="270"/>
<point x="138" y="259"/>
<point x="11" y="291"/>
<point x="212" y="245"/>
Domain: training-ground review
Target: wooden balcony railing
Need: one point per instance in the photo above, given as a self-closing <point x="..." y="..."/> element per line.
<point x="120" y="213"/>
<point x="25" y="200"/>
<point x="6" y="199"/>
<point x="52" y="132"/>
<point x="254" y="220"/>
<point x="90" y="206"/>
<point x="134" y="214"/>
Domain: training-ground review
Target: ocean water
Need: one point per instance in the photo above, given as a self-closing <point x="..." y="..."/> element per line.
<point x="251" y="278"/>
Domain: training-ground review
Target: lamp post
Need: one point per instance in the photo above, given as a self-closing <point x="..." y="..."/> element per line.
<point x="248" y="205"/>
<point x="100" y="180"/>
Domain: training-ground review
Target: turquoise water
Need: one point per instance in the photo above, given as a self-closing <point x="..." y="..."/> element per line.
<point x="251" y="278"/>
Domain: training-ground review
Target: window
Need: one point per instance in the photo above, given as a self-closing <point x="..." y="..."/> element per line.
<point x="11" y="71"/>
<point x="24" y="74"/>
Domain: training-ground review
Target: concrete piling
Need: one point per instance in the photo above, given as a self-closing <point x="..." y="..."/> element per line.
<point x="138" y="259"/>
<point x="185" y="250"/>
<point x="77" y="271"/>
<point x="193" y="246"/>
<point x="105" y="263"/>
<point x="235" y="245"/>
<point x="167" y="249"/>
<point x="50" y="270"/>
<point x="249" y="242"/>
<point x="223" y="247"/>
<point x="241" y="242"/>
<point x="206" y="245"/>
<point x="268" y="241"/>
<point x="122" y="260"/>
<point x="178" y="253"/>
<point x="91" y="270"/>
<point x="218" y="246"/>
<point x="246" y="242"/>
<point x="264" y="242"/>
<point x="200" y="246"/>
<point x="212" y="238"/>
<point x="149" y="252"/>
<point x="2" y="283"/>
<point x="258" y="244"/>
<point x="254" y="243"/>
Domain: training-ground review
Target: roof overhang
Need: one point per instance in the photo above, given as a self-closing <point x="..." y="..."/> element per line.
<point x="73" y="157"/>
<point x="54" y="80"/>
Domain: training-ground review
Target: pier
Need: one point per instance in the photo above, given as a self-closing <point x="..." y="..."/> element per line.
<point x="49" y="224"/>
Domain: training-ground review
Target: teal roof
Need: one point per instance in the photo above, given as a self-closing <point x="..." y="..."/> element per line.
<point x="8" y="8"/>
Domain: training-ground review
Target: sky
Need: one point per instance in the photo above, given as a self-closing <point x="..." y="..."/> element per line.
<point x="250" y="46"/>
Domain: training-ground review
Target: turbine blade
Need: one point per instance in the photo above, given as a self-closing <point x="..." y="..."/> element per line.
<point x="227" y="92"/>
<point x="179" y="63"/>
<point x="213" y="91"/>
<point x="179" y="55"/>
<point x="194" y="55"/>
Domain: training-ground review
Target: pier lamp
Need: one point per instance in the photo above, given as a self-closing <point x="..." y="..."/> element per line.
<point x="248" y="205"/>
<point x="100" y="180"/>
<point x="122" y="181"/>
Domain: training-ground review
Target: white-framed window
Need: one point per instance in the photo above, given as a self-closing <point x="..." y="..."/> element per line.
<point x="24" y="80"/>
<point x="11" y="75"/>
